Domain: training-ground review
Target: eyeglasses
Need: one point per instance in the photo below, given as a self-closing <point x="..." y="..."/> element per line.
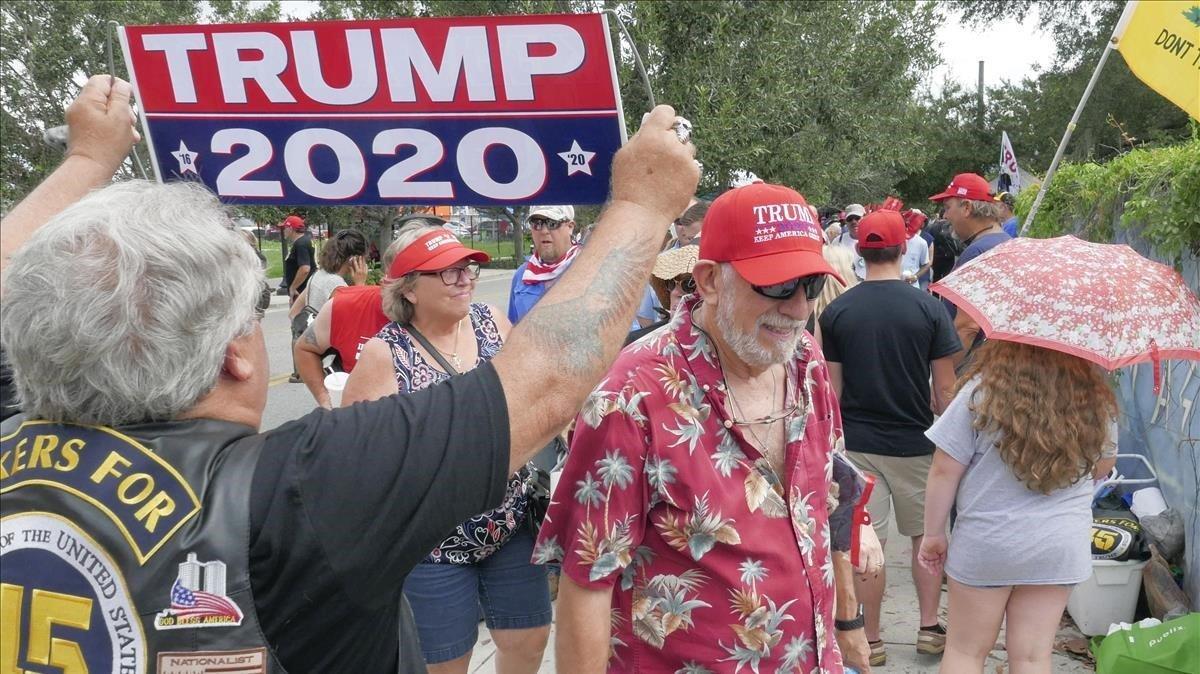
<point x="452" y="275"/>
<point x="813" y="285"/>
<point x="686" y="284"/>
<point x="544" y="223"/>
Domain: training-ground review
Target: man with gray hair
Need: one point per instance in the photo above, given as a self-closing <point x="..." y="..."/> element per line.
<point x="977" y="217"/>
<point x="141" y="507"/>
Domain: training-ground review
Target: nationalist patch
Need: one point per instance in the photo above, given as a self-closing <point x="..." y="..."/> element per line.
<point x="63" y="601"/>
<point x="253" y="661"/>
<point x="198" y="598"/>
<point x="141" y="493"/>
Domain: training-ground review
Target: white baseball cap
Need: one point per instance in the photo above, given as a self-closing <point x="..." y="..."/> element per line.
<point x="558" y="213"/>
<point x="855" y="209"/>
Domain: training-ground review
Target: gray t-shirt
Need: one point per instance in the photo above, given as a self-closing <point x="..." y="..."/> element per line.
<point x="1006" y="533"/>
<point x="321" y="287"/>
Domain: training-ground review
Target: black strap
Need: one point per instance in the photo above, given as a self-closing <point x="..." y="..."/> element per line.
<point x="437" y="355"/>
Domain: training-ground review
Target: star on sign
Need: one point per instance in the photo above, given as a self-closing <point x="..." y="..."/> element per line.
<point x="186" y="159"/>
<point x="578" y="160"/>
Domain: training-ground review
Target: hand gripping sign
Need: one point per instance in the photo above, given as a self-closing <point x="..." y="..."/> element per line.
<point x="495" y="110"/>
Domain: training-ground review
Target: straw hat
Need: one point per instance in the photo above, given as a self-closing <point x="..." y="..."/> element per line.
<point x="670" y="264"/>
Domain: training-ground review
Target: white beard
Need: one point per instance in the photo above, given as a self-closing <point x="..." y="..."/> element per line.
<point x="746" y="346"/>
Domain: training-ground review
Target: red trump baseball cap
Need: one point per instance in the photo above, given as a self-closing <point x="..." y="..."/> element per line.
<point x="966" y="186"/>
<point x="767" y="232"/>
<point x="294" y="222"/>
<point x="882" y="229"/>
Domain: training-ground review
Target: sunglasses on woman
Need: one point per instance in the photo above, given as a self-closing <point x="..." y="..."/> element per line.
<point x="686" y="284"/>
<point x="451" y="276"/>
<point x="544" y="223"/>
<point x="813" y="285"/>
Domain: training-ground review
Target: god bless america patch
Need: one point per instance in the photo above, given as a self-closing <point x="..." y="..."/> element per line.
<point x="198" y="598"/>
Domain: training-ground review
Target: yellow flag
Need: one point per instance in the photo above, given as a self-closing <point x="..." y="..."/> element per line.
<point x="1160" y="40"/>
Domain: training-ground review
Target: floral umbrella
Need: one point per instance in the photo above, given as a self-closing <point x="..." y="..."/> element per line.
<point x="1101" y="302"/>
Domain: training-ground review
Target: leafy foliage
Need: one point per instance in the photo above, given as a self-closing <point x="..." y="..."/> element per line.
<point x="824" y="97"/>
<point x="1122" y="112"/>
<point x="813" y="95"/>
<point x="1156" y="191"/>
<point x="49" y="48"/>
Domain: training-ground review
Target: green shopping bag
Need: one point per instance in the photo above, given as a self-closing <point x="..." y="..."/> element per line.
<point x="1170" y="648"/>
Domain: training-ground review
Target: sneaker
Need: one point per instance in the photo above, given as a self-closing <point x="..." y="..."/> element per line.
<point x="295" y="379"/>
<point x="878" y="655"/>
<point x="931" y="640"/>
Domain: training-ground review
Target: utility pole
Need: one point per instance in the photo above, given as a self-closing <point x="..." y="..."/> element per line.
<point x="979" y="96"/>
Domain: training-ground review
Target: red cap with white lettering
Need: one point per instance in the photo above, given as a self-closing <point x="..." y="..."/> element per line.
<point x="967" y="186"/>
<point x="768" y="232"/>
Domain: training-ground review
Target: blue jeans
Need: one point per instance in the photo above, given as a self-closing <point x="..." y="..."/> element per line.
<point x="446" y="598"/>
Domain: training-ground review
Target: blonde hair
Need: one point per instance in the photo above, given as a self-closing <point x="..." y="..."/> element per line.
<point x="843" y="263"/>
<point x="1051" y="411"/>
<point x="395" y="305"/>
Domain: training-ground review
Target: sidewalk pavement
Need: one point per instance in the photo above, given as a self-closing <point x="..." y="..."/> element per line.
<point x="900" y="620"/>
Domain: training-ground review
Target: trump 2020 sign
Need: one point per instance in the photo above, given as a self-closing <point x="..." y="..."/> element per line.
<point x="466" y="110"/>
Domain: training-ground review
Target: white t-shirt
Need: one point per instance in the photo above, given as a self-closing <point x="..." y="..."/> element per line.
<point x="1006" y="533"/>
<point x="915" y="257"/>
<point x="851" y="244"/>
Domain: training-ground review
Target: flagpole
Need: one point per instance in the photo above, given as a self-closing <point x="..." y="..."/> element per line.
<point x="1118" y="31"/>
<point x="1062" y="146"/>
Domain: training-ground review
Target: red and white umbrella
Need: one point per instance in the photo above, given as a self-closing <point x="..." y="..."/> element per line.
<point x="1101" y="302"/>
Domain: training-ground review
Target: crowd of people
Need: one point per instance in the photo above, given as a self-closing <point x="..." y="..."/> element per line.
<point x="789" y="394"/>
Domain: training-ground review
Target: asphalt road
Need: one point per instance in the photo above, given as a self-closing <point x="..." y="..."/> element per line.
<point x="288" y="401"/>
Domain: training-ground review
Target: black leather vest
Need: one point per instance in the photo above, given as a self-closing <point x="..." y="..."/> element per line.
<point x="128" y="550"/>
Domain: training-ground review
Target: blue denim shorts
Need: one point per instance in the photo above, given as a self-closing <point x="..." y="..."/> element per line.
<point x="446" y="598"/>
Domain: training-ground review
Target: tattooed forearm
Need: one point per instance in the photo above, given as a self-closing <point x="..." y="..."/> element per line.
<point x="310" y="336"/>
<point x="575" y="327"/>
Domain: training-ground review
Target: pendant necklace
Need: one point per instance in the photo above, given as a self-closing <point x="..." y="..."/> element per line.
<point x="453" y="355"/>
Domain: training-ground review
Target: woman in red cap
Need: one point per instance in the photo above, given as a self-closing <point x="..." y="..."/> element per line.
<point x="436" y="332"/>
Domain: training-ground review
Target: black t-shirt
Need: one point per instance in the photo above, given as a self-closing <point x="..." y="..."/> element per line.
<point x="299" y="255"/>
<point x="885" y="334"/>
<point x="345" y="503"/>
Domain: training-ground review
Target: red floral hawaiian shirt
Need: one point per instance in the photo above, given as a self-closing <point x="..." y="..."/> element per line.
<point x="718" y="564"/>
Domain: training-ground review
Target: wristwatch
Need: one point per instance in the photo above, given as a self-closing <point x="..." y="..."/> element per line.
<point x="851" y="625"/>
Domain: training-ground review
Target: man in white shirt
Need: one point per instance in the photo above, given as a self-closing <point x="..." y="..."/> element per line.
<point x="916" y="260"/>
<point x="848" y="239"/>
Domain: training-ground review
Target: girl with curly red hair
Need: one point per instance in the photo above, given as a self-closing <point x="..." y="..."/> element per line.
<point x="1017" y="450"/>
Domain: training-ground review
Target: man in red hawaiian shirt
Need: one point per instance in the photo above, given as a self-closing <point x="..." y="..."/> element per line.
<point x="705" y="486"/>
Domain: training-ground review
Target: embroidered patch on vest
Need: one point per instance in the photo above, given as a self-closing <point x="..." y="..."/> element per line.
<point x="64" y="601"/>
<point x="140" y="492"/>
<point x="253" y="661"/>
<point x="198" y="598"/>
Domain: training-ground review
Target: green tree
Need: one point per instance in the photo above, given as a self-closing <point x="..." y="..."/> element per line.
<point x="1122" y="112"/>
<point x="814" y="95"/>
<point x="48" y="48"/>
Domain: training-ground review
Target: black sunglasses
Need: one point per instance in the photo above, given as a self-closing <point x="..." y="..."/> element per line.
<point x="813" y="285"/>
<point x="687" y="285"/>
<point x="544" y="223"/>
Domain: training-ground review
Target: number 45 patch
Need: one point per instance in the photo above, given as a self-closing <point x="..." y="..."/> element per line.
<point x="56" y="582"/>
